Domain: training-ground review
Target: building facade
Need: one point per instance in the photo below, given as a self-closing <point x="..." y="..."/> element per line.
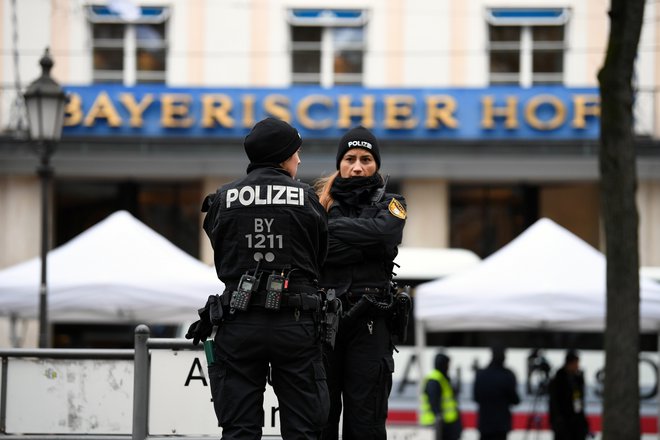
<point x="487" y="110"/>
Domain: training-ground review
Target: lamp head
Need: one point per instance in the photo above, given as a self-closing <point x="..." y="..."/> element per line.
<point x="44" y="100"/>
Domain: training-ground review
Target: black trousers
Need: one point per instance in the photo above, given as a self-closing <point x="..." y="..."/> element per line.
<point x="244" y="348"/>
<point x="359" y="373"/>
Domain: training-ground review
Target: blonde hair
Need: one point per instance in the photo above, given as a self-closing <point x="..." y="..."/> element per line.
<point x="322" y="187"/>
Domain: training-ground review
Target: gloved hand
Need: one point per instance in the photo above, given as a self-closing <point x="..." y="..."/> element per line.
<point x="199" y="331"/>
<point x="202" y="329"/>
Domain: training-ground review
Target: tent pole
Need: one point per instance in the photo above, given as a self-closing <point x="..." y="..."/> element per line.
<point x="420" y="344"/>
<point x="14" y="338"/>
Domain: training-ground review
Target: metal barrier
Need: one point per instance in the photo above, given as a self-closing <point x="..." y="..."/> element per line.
<point x="5" y="354"/>
<point x="141" y="377"/>
<point x="139" y="355"/>
<point x="147" y="366"/>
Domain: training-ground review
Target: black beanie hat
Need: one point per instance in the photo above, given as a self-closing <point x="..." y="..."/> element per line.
<point x="271" y="141"/>
<point x="358" y="137"/>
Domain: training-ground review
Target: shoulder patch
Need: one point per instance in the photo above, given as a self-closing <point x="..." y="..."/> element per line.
<point x="397" y="209"/>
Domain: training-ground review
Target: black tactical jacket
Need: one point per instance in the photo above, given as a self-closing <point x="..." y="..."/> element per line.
<point x="363" y="241"/>
<point x="270" y="216"/>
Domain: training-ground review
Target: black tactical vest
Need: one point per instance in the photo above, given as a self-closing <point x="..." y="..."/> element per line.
<point x="271" y="217"/>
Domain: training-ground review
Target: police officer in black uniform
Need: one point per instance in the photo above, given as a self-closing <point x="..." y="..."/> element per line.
<point x="269" y="235"/>
<point x="365" y="226"/>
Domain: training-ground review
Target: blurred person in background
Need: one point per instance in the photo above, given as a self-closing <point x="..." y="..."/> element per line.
<point x="495" y="391"/>
<point x="566" y="393"/>
<point x="439" y="402"/>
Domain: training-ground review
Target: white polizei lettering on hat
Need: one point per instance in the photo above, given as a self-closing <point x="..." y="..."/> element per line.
<point x="266" y="195"/>
<point x="360" y="144"/>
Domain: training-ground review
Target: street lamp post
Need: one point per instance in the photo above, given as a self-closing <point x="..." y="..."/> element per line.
<point x="44" y="100"/>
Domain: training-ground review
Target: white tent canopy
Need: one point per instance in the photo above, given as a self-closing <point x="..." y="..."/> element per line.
<point x="652" y="272"/>
<point x="547" y="278"/>
<point x="418" y="263"/>
<point x="119" y="270"/>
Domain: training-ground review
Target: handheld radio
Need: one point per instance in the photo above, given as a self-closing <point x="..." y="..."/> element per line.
<point x="274" y="288"/>
<point x="241" y="297"/>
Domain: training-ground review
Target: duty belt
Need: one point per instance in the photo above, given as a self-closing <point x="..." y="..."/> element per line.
<point x="303" y="301"/>
<point x="354" y="295"/>
<point x="292" y="288"/>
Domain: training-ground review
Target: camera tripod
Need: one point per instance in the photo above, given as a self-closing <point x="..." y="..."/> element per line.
<point x="535" y="417"/>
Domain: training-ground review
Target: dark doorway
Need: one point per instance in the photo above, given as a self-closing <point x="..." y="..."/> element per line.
<point x="483" y="218"/>
<point x="170" y="208"/>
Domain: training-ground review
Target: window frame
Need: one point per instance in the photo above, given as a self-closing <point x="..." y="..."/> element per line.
<point x="129" y="74"/>
<point x="526" y="19"/>
<point x="328" y="20"/>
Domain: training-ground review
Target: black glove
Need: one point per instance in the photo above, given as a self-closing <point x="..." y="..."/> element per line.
<point x="199" y="331"/>
<point x="202" y="329"/>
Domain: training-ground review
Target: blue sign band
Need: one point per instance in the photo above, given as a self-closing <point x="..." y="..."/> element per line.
<point x="417" y="114"/>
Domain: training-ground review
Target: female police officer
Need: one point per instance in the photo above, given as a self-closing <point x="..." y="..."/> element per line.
<point x="269" y="235"/>
<point x="365" y="228"/>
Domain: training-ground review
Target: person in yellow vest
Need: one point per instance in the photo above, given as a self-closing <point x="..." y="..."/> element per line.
<point x="439" y="403"/>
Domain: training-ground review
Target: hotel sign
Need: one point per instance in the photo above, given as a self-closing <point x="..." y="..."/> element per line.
<point x="422" y="114"/>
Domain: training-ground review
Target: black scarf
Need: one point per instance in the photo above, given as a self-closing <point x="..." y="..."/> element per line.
<point x="355" y="190"/>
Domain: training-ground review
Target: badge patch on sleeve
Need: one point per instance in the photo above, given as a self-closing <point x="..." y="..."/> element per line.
<point x="397" y="209"/>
